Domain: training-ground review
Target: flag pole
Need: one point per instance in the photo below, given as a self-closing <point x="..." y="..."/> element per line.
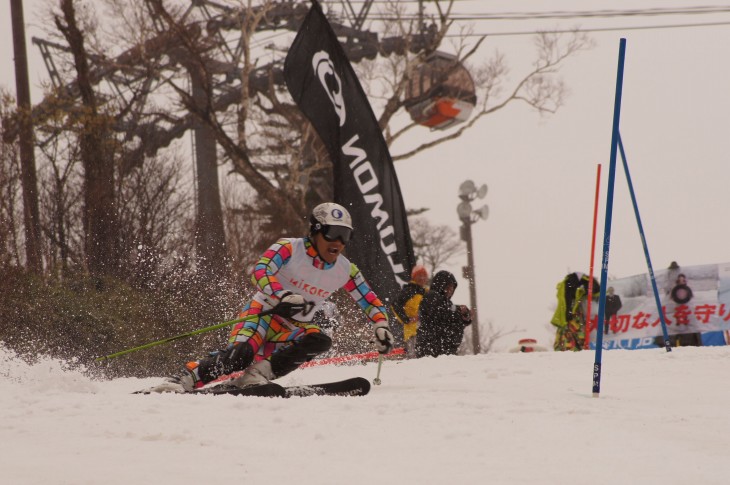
<point x="609" y="215"/>
<point x="587" y="344"/>
<point x="662" y="319"/>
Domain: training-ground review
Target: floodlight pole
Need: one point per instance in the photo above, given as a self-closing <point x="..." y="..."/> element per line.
<point x="467" y="193"/>
<point x="29" y="179"/>
<point x="470" y="274"/>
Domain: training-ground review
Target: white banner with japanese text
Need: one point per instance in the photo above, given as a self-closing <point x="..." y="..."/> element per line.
<point x="694" y="299"/>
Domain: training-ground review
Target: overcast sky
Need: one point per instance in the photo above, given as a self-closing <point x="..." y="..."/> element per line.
<point x="541" y="171"/>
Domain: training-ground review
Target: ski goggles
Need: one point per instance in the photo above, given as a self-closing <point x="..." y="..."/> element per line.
<point x="333" y="233"/>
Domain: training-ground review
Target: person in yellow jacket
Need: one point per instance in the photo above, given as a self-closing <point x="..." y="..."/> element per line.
<point x="405" y="307"/>
<point x="569" y="318"/>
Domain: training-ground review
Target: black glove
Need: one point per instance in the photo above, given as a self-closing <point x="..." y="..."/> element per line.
<point x="290" y="304"/>
<point x="383" y="337"/>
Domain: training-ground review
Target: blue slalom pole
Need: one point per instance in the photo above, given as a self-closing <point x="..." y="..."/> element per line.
<point x="609" y="215"/>
<point x="667" y="345"/>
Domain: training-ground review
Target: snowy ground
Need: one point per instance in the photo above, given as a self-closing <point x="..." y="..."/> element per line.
<point x="662" y="418"/>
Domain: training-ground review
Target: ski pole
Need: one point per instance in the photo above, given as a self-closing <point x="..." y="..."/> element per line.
<point x="376" y="381"/>
<point x="184" y="335"/>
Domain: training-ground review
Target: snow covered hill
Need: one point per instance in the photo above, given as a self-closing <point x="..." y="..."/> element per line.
<point x="499" y="418"/>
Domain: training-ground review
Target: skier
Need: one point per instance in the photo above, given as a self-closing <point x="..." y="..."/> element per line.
<point x="294" y="277"/>
<point x="405" y="307"/>
<point x="442" y="323"/>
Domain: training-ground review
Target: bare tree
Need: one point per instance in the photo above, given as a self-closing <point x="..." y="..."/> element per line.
<point x="487" y="337"/>
<point x="230" y="116"/>
<point x="243" y="227"/>
<point x="10" y="253"/>
<point x="61" y="212"/>
<point x="97" y="156"/>
<point x="434" y="245"/>
<point x="81" y="121"/>
<point x="154" y="216"/>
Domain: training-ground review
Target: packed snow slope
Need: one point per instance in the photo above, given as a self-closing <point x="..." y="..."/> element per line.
<point x="499" y="418"/>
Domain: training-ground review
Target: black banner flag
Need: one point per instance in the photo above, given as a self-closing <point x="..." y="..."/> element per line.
<point x="321" y="80"/>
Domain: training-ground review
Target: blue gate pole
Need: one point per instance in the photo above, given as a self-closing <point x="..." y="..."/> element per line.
<point x="667" y="345"/>
<point x="609" y="215"/>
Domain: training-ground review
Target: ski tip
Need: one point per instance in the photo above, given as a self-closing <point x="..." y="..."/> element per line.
<point x="355" y="386"/>
<point x="364" y="383"/>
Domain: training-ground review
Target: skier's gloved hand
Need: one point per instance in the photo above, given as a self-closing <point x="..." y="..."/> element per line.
<point x="465" y="313"/>
<point x="383" y="337"/>
<point x="290" y="304"/>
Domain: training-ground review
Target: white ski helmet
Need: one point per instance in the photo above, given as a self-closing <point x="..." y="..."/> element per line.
<point x="332" y="220"/>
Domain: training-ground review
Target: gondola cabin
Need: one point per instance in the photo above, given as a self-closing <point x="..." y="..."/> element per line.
<point x="441" y="93"/>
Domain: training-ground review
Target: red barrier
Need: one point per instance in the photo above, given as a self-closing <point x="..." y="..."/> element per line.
<point x="349" y="358"/>
<point x="328" y="361"/>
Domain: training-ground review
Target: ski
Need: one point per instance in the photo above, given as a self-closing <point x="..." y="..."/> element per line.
<point x="355" y="386"/>
<point x="270" y="389"/>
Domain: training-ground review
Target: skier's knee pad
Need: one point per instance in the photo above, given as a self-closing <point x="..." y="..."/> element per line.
<point x="237" y="357"/>
<point x="234" y="358"/>
<point x="287" y="359"/>
<point x="316" y="343"/>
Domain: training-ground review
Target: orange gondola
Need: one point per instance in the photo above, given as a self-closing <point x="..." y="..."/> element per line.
<point x="441" y="94"/>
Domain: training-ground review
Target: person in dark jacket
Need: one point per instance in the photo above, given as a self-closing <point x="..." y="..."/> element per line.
<point x="613" y="305"/>
<point x="442" y="323"/>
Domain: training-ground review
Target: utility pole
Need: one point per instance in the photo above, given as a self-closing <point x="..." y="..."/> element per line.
<point x="210" y="240"/>
<point x="29" y="179"/>
<point x="468" y="216"/>
<point x="470" y="274"/>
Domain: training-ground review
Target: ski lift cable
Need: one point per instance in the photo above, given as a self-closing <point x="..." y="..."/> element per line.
<point x="570" y="14"/>
<point x="565" y="14"/>
<point x="592" y="29"/>
<point x="644" y="10"/>
<point x="595" y="14"/>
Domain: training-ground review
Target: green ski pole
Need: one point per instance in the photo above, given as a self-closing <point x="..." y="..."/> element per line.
<point x="183" y="335"/>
